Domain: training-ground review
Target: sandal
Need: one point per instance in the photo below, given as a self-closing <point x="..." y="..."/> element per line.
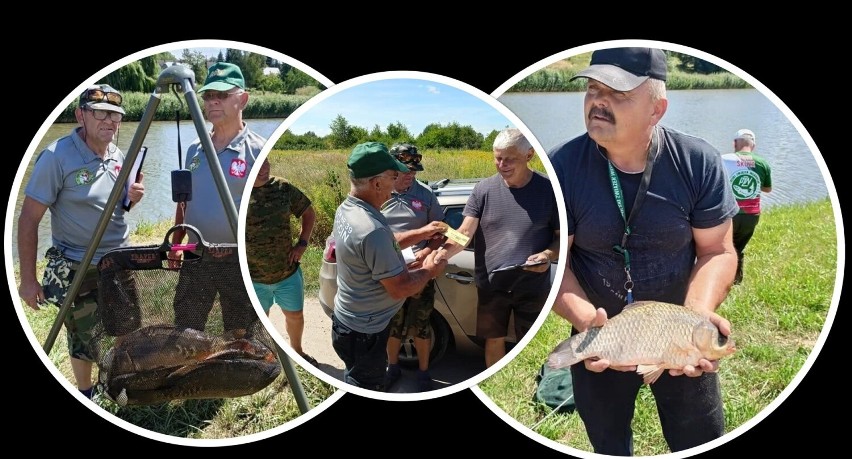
<point x="310" y="359"/>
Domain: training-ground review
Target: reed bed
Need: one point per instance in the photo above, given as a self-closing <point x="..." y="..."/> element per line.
<point x="260" y="105"/>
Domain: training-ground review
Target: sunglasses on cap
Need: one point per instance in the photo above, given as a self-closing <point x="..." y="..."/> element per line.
<point x="408" y="157"/>
<point x="99" y="95"/>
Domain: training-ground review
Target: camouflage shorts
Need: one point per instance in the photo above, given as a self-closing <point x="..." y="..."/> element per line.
<point x="81" y="318"/>
<point x="415" y="312"/>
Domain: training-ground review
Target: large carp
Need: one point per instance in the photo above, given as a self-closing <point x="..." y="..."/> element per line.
<point x="160" y="363"/>
<point x="651" y="335"/>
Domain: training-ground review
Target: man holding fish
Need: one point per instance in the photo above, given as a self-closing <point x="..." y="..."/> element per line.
<point x="638" y="237"/>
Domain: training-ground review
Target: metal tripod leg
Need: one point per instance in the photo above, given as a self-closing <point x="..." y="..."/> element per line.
<point x="183" y="79"/>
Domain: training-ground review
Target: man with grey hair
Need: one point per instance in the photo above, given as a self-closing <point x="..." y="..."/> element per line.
<point x="514" y="219"/>
<point x="636" y="236"/>
<point x="372" y="277"/>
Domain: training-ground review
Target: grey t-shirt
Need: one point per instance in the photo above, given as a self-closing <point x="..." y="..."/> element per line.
<point x="414" y="208"/>
<point x="75" y="184"/>
<point x="366" y="253"/>
<point x="206" y="211"/>
<point x="514" y="223"/>
<point x="688" y="190"/>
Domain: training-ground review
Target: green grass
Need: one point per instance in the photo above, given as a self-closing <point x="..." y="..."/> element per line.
<point x="266" y="409"/>
<point x="777" y="314"/>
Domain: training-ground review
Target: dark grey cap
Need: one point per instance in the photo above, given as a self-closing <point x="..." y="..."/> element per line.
<point x="624" y="69"/>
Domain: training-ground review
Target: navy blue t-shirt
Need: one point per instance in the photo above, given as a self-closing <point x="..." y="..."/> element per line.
<point x="687" y="190"/>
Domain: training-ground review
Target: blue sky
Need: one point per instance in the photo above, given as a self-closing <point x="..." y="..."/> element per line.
<point x="414" y="102"/>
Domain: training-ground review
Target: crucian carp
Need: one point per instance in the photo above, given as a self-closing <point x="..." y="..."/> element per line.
<point x="651" y="335"/>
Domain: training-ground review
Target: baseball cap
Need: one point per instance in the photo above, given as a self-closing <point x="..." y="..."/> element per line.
<point x="102" y="97"/>
<point x="372" y="158"/>
<point x="624" y="69"/>
<point x="745" y="134"/>
<point x="408" y="155"/>
<point x="223" y="76"/>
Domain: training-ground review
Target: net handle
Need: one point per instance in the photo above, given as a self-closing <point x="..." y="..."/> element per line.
<point x="188" y="246"/>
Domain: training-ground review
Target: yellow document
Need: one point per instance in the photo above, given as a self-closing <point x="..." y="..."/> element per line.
<point x="456" y="237"/>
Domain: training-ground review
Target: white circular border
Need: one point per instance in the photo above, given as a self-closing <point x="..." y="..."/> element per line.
<point x="841" y="249"/>
<point x="485" y="98"/>
<point x="10" y="268"/>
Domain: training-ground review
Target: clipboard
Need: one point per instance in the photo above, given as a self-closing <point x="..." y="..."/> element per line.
<point x="519" y="266"/>
<point x="134" y="175"/>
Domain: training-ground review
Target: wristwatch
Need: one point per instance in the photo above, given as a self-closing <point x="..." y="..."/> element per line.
<point x="302" y="243"/>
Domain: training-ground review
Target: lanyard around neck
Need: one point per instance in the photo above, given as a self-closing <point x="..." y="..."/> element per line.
<point x="637" y="204"/>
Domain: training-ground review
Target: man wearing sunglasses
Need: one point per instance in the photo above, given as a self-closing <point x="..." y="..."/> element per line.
<point x="224" y="98"/>
<point x="372" y="276"/>
<point x="416" y="219"/>
<point x="73" y="177"/>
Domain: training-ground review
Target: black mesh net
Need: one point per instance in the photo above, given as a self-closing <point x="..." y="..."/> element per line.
<point x="185" y="329"/>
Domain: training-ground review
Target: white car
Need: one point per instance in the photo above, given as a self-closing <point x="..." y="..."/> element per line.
<point x="454" y="317"/>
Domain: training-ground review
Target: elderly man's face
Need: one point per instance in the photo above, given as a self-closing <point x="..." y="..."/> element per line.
<point x="405" y="180"/>
<point x="221" y="106"/>
<point x="614" y="117"/>
<point x="512" y="164"/>
<point x="385" y="182"/>
<point x="100" y="131"/>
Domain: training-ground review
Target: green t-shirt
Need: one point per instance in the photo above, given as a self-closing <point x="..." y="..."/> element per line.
<point x="269" y="239"/>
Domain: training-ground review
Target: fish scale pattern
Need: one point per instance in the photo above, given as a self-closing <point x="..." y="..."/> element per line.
<point x="646" y="333"/>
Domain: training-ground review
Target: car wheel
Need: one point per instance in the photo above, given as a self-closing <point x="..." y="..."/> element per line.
<point x="441" y="338"/>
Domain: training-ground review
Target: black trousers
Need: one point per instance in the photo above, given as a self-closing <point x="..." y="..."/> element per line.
<point x="690" y="409"/>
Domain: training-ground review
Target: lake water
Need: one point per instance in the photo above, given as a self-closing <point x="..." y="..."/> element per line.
<point x="161" y="159"/>
<point x="715" y="115"/>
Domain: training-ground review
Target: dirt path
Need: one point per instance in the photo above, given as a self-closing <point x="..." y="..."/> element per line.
<point x="316" y="340"/>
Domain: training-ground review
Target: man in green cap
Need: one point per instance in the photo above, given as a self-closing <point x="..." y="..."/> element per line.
<point x="224" y="96"/>
<point x="372" y="277"/>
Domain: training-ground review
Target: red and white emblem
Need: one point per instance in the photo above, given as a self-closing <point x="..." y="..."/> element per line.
<point x="417" y="204"/>
<point x="238" y="168"/>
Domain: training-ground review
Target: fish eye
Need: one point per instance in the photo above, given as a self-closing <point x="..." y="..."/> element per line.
<point x="721" y="340"/>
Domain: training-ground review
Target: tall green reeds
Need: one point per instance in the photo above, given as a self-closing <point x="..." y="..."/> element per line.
<point x="260" y="105"/>
<point x="559" y="80"/>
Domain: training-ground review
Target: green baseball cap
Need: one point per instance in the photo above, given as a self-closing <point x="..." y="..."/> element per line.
<point x="223" y="76"/>
<point x="372" y="158"/>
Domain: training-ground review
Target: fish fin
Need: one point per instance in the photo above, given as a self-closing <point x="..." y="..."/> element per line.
<point x="564" y="354"/>
<point x="637" y="304"/>
<point x="122" y="397"/>
<point x="650" y="373"/>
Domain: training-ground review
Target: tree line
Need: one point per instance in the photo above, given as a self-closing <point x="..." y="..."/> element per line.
<point x="141" y="75"/>
<point x="344" y="135"/>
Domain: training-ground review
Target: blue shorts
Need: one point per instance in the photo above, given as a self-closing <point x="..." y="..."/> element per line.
<point x="288" y="294"/>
